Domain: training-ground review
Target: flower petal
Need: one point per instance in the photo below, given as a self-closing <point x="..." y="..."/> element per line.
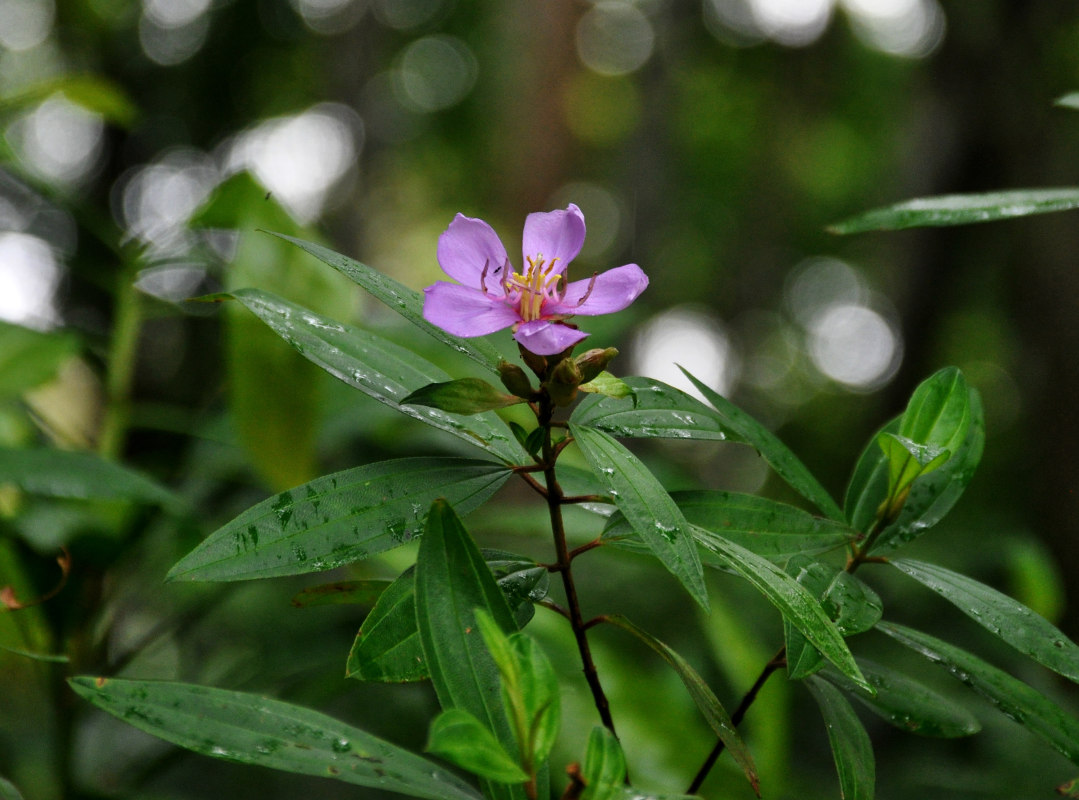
<point x="612" y="291"/>
<point x="465" y="312"/>
<point x="554" y="234"/>
<point x="545" y="338"/>
<point x="465" y="247"/>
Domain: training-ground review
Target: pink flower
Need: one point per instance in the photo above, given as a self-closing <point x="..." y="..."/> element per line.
<point x="537" y="301"/>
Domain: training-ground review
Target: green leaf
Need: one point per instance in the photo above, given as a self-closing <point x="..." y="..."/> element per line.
<point x="82" y="476"/>
<point x="406" y="302"/>
<point x="703" y="697"/>
<point x="960" y="209"/>
<point x="249" y="729"/>
<point x="384" y="370"/>
<point x="604" y="766"/>
<point x="530" y="690"/>
<point x="766" y="527"/>
<point x="388" y="648"/>
<point x="944" y="413"/>
<point x="607" y="384"/>
<point x="92" y="92"/>
<point x="28" y="358"/>
<point x="461" y="739"/>
<point x="44" y="657"/>
<point x="848" y="601"/>
<point x="462" y="396"/>
<point x="1012" y="697"/>
<point x="340" y="593"/>
<point x="794" y="603"/>
<point x="338" y="519"/>
<point x="650" y="511"/>
<point x="8" y="791"/>
<point x="654" y="410"/>
<point x="851" y="747"/>
<point x="604" y="771"/>
<point x="908" y="460"/>
<point x="907" y="704"/>
<point x="785" y="463"/>
<point x="1002" y="616"/>
<point x="452" y="581"/>
<point x="1070" y="100"/>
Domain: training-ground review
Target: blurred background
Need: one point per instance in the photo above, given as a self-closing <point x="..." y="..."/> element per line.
<point x="144" y="144"/>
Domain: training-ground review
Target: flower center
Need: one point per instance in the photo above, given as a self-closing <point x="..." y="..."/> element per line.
<point x="538" y="284"/>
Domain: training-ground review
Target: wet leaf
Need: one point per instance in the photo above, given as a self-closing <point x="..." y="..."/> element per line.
<point x="851" y="747"/>
<point x="249" y="729"/>
<point x="376" y="366"/>
<point x="388" y="647"/>
<point x="766" y="527"/>
<point x="406" y="302"/>
<point x="779" y="457"/>
<point x="654" y="410"/>
<point x="1012" y="697"/>
<point x="960" y="209"/>
<point x="999" y="614"/>
<point x="907" y="704"/>
<point x="794" y="602"/>
<point x="703" y="697"/>
<point x="461" y="396"/>
<point x="646" y="505"/>
<point x="452" y="580"/>
<point x="338" y="519"/>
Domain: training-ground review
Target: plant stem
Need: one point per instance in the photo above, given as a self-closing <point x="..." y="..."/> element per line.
<point x="121" y="368"/>
<point x="854" y="560"/>
<point x="563" y="565"/>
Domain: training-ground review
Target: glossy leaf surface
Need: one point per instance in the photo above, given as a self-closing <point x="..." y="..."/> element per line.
<point x="779" y="457"/>
<point x="607" y="384"/>
<point x="1029" y="633"/>
<point x="794" y="602"/>
<point x="766" y="527"/>
<point x="461" y="396"/>
<point x="848" y="601"/>
<point x="452" y="580"/>
<point x="646" y="505"/>
<point x="1012" y="697"/>
<point x="461" y="739"/>
<point x="376" y="366"/>
<point x="406" y="302"/>
<point x="654" y="410"/>
<point x="851" y="748"/>
<point x="703" y="697"/>
<point x="338" y="519"/>
<point x="249" y="729"/>
<point x="907" y="704"/>
<point x="960" y="209"/>
<point x="388" y="646"/>
<point x="945" y="413"/>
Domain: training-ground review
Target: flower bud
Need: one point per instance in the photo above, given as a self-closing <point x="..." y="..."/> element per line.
<point x="563" y="383"/>
<point x="593" y="362"/>
<point x="515" y="379"/>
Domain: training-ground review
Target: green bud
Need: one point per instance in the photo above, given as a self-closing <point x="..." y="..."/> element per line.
<point x="563" y="383"/>
<point x="593" y="362"/>
<point x="515" y="379"/>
